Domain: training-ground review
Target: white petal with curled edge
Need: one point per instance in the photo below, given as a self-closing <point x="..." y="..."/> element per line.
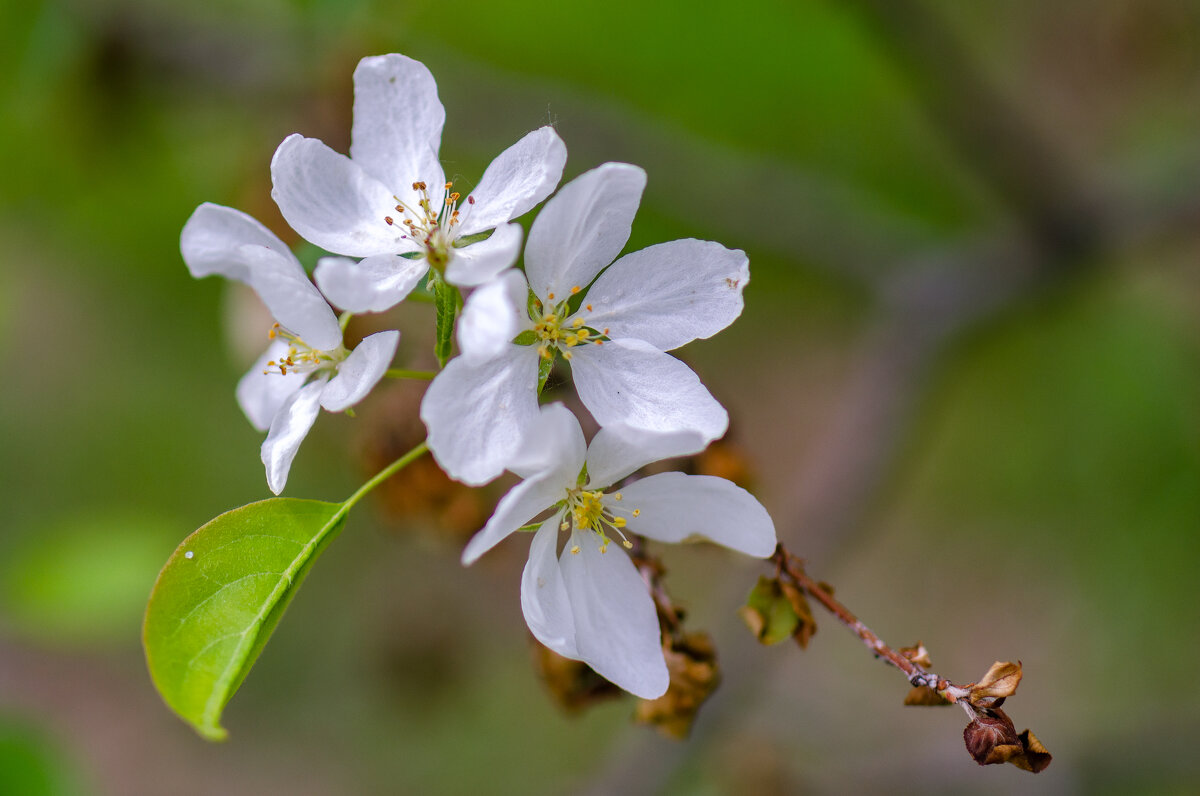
<point x="480" y="263"/>
<point x="292" y="299"/>
<point x="330" y="200"/>
<point x="373" y="284"/>
<point x="519" y="178"/>
<point x="214" y="234"/>
<point x="582" y="228"/>
<point x="492" y="317"/>
<point x="671" y="293"/>
<point x="522" y="503"/>
<point x="260" y="393"/>
<point x="288" y="430"/>
<point x="616" y="626"/>
<point x="674" y="507"/>
<point x="618" y="450"/>
<point x="544" y="599"/>
<point x="554" y="444"/>
<point x="477" y="414"/>
<point x="360" y="371"/>
<point x="398" y="122"/>
<point x="632" y="383"/>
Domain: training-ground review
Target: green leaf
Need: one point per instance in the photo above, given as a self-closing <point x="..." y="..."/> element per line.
<point x="221" y="594"/>
<point x="446" y="299"/>
<point x="768" y="612"/>
<point x="545" y="365"/>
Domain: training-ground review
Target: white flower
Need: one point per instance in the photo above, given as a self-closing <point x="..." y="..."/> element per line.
<point x="391" y="196"/>
<point x="306" y="367"/>
<point x="590" y="603"/>
<point x="614" y="334"/>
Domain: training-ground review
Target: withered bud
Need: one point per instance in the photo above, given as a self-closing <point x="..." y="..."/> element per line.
<point x="1000" y="682"/>
<point x="918" y="655"/>
<point x="991" y="739"/>
<point x="692" y="664"/>
<point x="573" y="684"/>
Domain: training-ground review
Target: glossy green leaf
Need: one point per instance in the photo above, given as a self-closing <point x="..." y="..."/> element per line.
<point x="220" y="596"/>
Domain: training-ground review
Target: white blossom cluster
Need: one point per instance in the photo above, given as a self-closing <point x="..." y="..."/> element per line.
<point x="389" y="217"/>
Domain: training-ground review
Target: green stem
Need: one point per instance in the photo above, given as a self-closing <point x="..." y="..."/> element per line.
<point x="385" y="474"/>
<point x="401" y="373"/>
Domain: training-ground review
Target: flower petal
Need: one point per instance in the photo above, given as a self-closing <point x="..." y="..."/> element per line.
<point x="670" y="294"/>
<point x="554" y="443"/>
<point x="373" y="284"/>
<point x="632" y="383"/>
<point x="618" y="450"/>
<point x="477" y="413"/>
<point x="288" y="429"/>
<point x="674" y="507"/>
<point x="519" y="178"/>
<point x="616" y="626"/>
<point x="492" y="317"/>
<point x="291" y="298"/>
<point x="582" y="228"/>
<point x="213" y="235"/>
<point x="360" y="371"/>
<point x="544" y="599"/>
<point x="523" y="502"/>
<point x="330" y="200"/>
<point x="260" y="394"/>
<point x="479" y="263"/>
<point x="221" y="240"/>
<point x="398" y="121"/>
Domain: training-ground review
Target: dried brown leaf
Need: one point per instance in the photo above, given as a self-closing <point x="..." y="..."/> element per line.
<point x="692" y="664"/>
<point x="1036" y="756"/>
<point x="924" y="695"/>
<point x="1000" y="682"/>
<point x="806" y="626"/>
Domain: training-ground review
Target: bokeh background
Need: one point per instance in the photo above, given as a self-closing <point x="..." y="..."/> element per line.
<point x="967" y="380"/>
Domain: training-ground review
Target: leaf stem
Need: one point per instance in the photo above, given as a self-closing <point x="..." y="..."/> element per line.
<point x="385" y="474"/>
<point x="401" y="373"/>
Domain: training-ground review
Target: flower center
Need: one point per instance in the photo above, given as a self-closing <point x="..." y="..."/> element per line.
<point x="586" y="510"/>
<point x="557" y="329"/>
<point x="301" y="357"/>
<point x="434" y="230"/>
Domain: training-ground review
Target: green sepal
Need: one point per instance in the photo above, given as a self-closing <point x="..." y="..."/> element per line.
<point x="527" y="337"/>
<point x="533" y="306"/>
<point x="545" y="365"/>
<point x="582" y="478"/>
<point x="467" y="240"/>
<point x="417" y="255"/>
<point x="220" y="596"/>
<point x="447" y="299"/>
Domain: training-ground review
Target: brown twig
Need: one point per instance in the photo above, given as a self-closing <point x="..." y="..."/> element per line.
<point x="793" y="567"/>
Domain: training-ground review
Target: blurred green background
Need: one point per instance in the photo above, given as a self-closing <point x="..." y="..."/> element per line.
<point x="968" y="378"/>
